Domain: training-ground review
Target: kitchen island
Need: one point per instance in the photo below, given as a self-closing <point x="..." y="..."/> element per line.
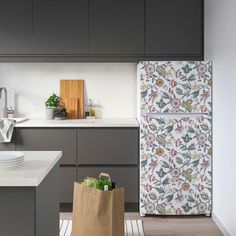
<point x="29" y="196"/>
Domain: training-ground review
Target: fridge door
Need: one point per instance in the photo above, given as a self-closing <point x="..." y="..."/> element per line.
<point x="175" y="165"/>
<point x="174" y="86"/>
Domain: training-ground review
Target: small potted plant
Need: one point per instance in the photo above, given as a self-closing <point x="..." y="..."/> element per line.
<point x="52" y="104"/>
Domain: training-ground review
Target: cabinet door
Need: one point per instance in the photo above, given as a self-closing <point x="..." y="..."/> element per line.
<point x="174" y="27"/>
<point x="43" y="139"/>
<point x="126" y="177"/>
<point x="15" y="26"/>
<point x="9" y="146"/>
<point x="107" y="146"/>
<point x="60" y="27"/>
<point x="116" y="27"/>
<point x="67" y="178"/>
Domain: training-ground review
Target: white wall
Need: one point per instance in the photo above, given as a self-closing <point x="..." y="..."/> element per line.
<point x="113" y="85"/>
<point x="220" y="46"/>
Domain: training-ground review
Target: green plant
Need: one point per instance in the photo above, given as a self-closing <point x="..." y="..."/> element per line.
<point x="53" y="101"/>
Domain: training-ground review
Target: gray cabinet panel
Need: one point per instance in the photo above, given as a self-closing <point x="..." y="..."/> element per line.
<point x="49" y="139"/>
<point x="174" y="27"/>
<point x="116" y="27"/>
<point x="126" y="177"/>
<point x="107" y="146"/>
<point x="17" y="216"/>
<point x="9" y="146"/>
<point x="15" y="26"/>
<point x="67" y="178"/>
<point x="60" y="27"/>
<point x="47" y="204"/>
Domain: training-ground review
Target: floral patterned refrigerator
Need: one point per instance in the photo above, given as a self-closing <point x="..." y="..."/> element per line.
<point x="175" y="137"/>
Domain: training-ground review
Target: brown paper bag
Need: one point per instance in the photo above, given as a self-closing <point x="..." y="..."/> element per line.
<point x="97" y="212"/>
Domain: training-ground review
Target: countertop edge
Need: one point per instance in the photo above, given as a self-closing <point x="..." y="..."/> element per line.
<point x="32" y="182"/>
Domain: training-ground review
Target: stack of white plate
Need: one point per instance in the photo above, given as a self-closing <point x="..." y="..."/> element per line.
<point x="11" y="159"/>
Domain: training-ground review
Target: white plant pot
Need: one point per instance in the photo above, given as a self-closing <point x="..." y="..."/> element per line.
<point x="50" y="113"/>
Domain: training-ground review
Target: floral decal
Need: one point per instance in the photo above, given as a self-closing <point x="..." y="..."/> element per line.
<point x="175" y="164"/>
<point x="175" y="87"/>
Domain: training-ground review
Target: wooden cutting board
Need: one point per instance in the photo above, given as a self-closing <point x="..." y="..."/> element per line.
<point x="72" y="97"/>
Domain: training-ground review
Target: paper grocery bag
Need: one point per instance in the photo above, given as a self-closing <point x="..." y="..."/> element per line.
<point x="97" y="212"/>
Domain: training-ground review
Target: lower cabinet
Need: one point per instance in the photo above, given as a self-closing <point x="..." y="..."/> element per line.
<point x="49" y="139"/>
<point x="67" y="177"/>
<point x="87" y="152"/>
<point x="9" y="146"/>
<point x="126" y="177"/>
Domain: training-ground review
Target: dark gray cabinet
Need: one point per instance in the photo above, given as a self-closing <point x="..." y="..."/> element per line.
<point x="116" y="27"/>
<point x="101" y="30"/>
<point x="60" y="27"/>
<point x="31" y="211"/>
<point x="9" y="146"/>
<point x="67" y="178"/>
<point x="15" y="27"/>
<point x="49" y="139"/>
<point x="106" y="146"/>
<point x="174" y="28"/>
<point x="125" y="176"/>
<point x="87" y="152"/>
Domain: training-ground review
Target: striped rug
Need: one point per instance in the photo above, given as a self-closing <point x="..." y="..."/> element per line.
<point x="132" y="228"/>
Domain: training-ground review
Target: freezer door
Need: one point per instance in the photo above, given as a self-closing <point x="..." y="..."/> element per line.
<point x="175" y="165"/>
<point x="174" y="87"/>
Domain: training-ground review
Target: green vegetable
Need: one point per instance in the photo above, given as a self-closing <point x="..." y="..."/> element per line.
<point x="90" y="182"/>
<point x="103" y="180"/>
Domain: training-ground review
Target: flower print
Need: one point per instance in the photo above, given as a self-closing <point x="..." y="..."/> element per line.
<point x="190" y="101"/>
<point x="179" y="198"/>
<point x="150" y="69"/>
<point x="205" y="164"/>
<point x="173" y="152"/>
<point x="209" y="152"/>
<point x="178" y="212"/>
<point x="148" y="187"/>
<point x="200" y="188"/>
<point x="175" y="103"/>
<point x="159" y="151"/>
<point x="153" y="95"/>
<point x="178" y="142"/>
<point x="159" y="82"/>
<point x="178" y="74"/>
<point x="209" y="82"/>
<point x="150" y="207"/>
<point x="144" y="156"/>
<point x="173" y="83"/>
<point x="205" y="95"/>
<point x="153" y="165"/>
<point x="201" y="207"/>
<point x="201" y="69"/>
<point x="150" y="139"/>
<point x="175" y="172"/>
<point x="185" y="186"/>
<point x="202" y="138"/>
<point x="179" y="129"/>
<point x="204" y="109"/>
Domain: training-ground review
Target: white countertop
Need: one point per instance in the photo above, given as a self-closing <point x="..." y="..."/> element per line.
<point x="80" y="123"/>
<point x="31" y="173"/>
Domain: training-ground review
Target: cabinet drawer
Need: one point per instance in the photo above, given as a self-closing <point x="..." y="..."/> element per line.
<point x="126" y="177"/>
<point x="107" y="146"/>
<point x="66" y="181"/>
<point x="43" y="139"/>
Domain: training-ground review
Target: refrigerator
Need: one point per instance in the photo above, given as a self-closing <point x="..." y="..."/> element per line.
<point x="174" y="112"/>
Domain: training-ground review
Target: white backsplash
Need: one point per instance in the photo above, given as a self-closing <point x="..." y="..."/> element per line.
<point x="112" y="85"/>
